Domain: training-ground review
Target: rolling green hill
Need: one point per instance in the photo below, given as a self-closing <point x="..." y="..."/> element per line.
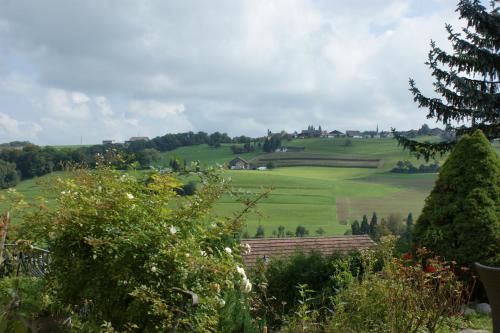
<point x="327" y="197"/>
<point x="310" y="194"/>
<point x="381" y="153"/>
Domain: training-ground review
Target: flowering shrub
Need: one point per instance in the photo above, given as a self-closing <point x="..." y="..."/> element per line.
<point x="122" y="249"/>
<point x="410" y="294"/>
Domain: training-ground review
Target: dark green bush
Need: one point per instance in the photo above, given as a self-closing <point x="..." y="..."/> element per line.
<point x="461" y="217"/>
<point x="9" y="176"/>
<point x="276" y="286"/>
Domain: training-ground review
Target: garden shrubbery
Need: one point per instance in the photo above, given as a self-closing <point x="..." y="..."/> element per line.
<point x="419" y="294"/>
<point x="366" y="291"/>
<point x="124" y="250"/>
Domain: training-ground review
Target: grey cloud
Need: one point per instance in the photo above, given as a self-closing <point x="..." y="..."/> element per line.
<point x="235" y="66"/>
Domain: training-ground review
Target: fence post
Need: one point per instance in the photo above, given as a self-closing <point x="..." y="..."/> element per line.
<point x="264" y="330"/>
<point x="3" y="228"/>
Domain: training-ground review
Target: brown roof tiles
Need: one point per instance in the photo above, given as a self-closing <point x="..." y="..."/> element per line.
<point x="261" y="248"/>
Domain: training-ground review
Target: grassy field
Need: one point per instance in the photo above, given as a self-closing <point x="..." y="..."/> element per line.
<point x="326" y="197"/>
<point x="387" y="150"/>
<point x="290" y="159"/>
<point x="385" y="153"/>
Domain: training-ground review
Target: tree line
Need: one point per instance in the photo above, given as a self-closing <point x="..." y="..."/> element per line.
<point x="392" y="225"/>
<point x="20" y="160"/>
<point x="281" y="232"/>
<point x="408" y="167"/>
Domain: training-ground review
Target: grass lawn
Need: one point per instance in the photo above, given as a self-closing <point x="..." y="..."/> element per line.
<point x="325" y="197"/>
<point x="310" y="196"/>
<point x="386" y="150"/>
<point x="32" y="189"/>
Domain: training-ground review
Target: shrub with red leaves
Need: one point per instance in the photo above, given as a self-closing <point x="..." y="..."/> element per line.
<point x="430" y="269"/>
<point x="407" y="256"/>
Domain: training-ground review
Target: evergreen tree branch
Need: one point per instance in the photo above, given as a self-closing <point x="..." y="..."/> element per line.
<point x="427" y="150"/>
<point x="486" y="24"/>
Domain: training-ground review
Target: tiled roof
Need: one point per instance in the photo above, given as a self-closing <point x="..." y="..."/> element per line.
<point x="261" y="248"/>
<point x="234" y="160"/>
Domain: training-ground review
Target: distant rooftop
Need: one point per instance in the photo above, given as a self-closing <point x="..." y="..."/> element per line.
<point x="262" y="248"/>
<point x="138" y="138"/>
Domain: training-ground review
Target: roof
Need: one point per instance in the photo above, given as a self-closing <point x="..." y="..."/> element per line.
<point x="234" y="160"/>
<point x="261" y="248"/>
<point x="335" y="132"/>
<point x="313" y="131"/>
<point x="139" y="138"/>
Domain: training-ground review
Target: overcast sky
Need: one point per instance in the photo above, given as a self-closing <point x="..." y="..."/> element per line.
<point x="96" y="69"/>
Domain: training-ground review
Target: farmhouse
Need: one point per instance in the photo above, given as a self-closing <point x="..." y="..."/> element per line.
<point x="137" y="138"/>
<point x="239" y="164"/>
<point x="335" y="134"/>
<point x="310" y="133"/>
<point x="108" y="142"/>
<point x="354" y="134"/>
<point x="265" y="248"/>
<point x="289" y="149"/>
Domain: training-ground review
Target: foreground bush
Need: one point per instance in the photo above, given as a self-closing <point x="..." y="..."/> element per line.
<point x="284" y="285"/>
<point x="408" y="295"/>
<point x="123" y="250"/>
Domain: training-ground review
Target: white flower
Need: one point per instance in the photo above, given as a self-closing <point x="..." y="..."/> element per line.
<point x="247" y="286"/>
<point x="172" y="230"/>
<point x="203" y="253"/>
<point x="245" y="248"/>
<point x="241" y="270"/>
<point x="228" y="250"/>
<point x="221" y="302"/>
<point x="153" y="269"/>
<point x="130" y="196"/>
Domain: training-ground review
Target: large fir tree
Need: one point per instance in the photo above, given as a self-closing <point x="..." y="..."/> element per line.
<point x="467" y="80"/>
<point x="461" y="216"/>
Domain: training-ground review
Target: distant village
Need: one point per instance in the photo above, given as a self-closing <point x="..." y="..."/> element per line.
<point x="239" y="163"/>
<point x="132" y="139"/>
<point x="312" y="132"/>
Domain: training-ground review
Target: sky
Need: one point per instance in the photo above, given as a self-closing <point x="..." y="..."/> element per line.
<point x="76" y="72"/>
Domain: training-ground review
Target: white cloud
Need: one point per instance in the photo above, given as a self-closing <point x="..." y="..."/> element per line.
<point x="153" y="67"/>
<point x="67" y="105"/>
<point x="79" y="98"/>
<point x="103" y="106"/>
<point x="155" y="109"/>
<point x="12" y="129"/>
<point x="8" y="125"/>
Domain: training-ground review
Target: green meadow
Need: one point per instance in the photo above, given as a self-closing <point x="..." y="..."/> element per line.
<point x="205" y="154"/>
<point x="329" y="198"/>
<point x="311" y="196"/>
